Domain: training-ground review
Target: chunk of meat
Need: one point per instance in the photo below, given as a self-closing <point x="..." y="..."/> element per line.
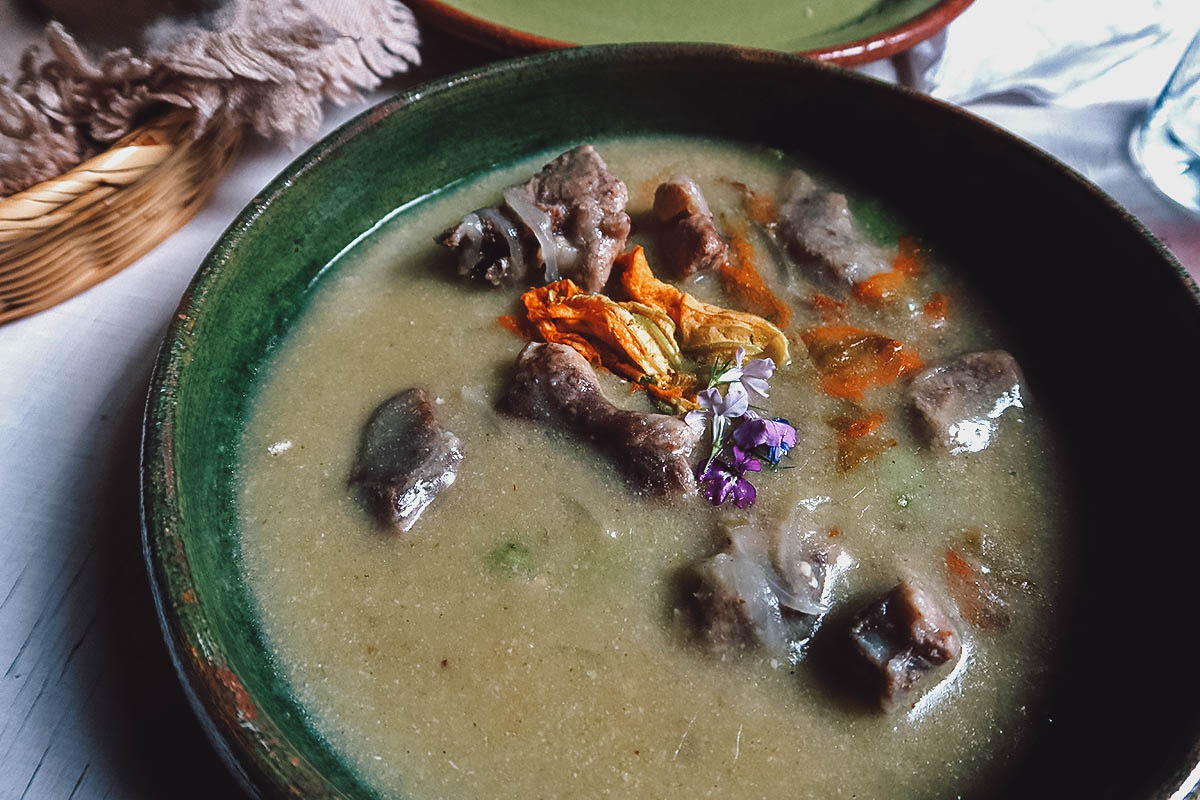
<point x="586" y="206"/>
<point x="677" y="197"/>
<point x="568" y="220"/>
<point x="903" y="636"/>
<point x="743" y="597"/>
<point x="820" y="235"/>
<point x="688" y="239"/>
<point x="555" y="385"/>
<point x="959" y="403"/>
<point x="405" y="459"/>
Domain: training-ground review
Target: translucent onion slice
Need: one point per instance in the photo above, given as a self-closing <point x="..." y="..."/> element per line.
<point x="502" y="223"/>
<point x="470" y="229"/>
<point x="746" y="580"/>
<point x="568" y="255"/>
<point x="537" y="221"/>
<point x="750" y="543"/>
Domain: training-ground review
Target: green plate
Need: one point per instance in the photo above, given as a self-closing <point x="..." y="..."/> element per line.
<point x="1108" y="328"/>
<point x="845" y="31"/>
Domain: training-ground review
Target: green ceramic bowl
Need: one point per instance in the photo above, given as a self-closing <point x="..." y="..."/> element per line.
<point x="1107" y="321"/>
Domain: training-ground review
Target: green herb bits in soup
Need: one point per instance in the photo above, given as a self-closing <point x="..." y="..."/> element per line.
<point x="656" y="467"/>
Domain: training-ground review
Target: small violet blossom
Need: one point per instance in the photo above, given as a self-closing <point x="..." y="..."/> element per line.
<point x="753" y="376"/>
<point x="721" y="481"/>
<point x="721" y="410"/>
<point x="724" y="477"/>
<point x="777" y="435"/>
<point x="732" y="405"/>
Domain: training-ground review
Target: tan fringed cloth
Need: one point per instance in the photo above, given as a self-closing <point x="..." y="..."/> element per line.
<point x="266" y="64"/>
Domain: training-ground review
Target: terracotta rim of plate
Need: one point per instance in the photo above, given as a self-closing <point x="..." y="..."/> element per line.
<point x="848" y="54"/>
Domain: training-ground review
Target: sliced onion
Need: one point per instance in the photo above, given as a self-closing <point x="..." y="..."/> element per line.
<point x="515" y="251"/>
<point x="797" y="602"/>
<point x="568" y="255"/>
<point x="759" y="602"/>
<point x="750" y="543"/>
<point x="537" y="221"/>
<point x="470" y="231"/>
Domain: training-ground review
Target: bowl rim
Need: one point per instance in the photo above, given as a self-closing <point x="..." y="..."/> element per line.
<point x="512" y="41"/>
<point x="244" y="753"/>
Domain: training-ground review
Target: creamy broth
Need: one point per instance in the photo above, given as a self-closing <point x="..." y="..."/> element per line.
<point x="524" y="640"/>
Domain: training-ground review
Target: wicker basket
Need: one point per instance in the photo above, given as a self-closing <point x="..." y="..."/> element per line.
<point x="63" y="235"/>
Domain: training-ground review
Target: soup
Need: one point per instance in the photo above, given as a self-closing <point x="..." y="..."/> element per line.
<point x="534" y="634"/>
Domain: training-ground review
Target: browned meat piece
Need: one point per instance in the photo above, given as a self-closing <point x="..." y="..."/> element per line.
<point x="405" y="459"/>
<point x="690" y="245"/>
<point x="902" y="636"/>
<point x="586" y="206"/>
<point x="567" y="221"/>
<point x="688" y="239"/>
<point x="819" y="233"/>
<point x="960" y="403"/>
<point x="731" y="603"/>
<point x="555" y="385"/>
<point x="743" y="598"/>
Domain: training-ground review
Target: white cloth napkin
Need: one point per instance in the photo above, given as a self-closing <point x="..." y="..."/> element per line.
<point x="1070" y="53"/>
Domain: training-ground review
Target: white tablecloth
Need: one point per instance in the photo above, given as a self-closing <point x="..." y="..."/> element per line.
<point x="89" y="707"/>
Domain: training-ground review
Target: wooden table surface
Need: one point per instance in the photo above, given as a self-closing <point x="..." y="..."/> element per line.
<point x="89" y="704"/>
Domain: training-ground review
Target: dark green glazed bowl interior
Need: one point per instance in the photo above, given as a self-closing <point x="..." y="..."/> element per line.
<point x="1107" y="322"/>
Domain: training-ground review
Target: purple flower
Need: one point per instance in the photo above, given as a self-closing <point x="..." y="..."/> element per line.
<point x="720" y="409"/>
<point x="752" y="377"/>
<point x="755" y="375"/>
<point x="730" y="405"/>
<point x="777" y="435"/>
<point x="721" y="481"/>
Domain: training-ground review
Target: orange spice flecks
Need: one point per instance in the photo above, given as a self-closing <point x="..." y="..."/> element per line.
<point x="863" y="426"/>
<point x="859" y="438"/>
<point x="911" y="258"/>
<point x="831" y="311"/>
<point x="744" y="285"/>
<point x="851" y="360"/>
<point x="882" y="288"/>
<point x="957" y="565"/>
<point x="760" y="208"/>
<point x="887" y="287"/>
<point x="975" y="592"/>
<point x="513" y="325"/>
<point x="935" y="309"/>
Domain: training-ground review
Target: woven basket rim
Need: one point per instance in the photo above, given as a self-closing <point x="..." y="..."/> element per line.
<point x="66" y="234"/>
<point x="124" y="162"/>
